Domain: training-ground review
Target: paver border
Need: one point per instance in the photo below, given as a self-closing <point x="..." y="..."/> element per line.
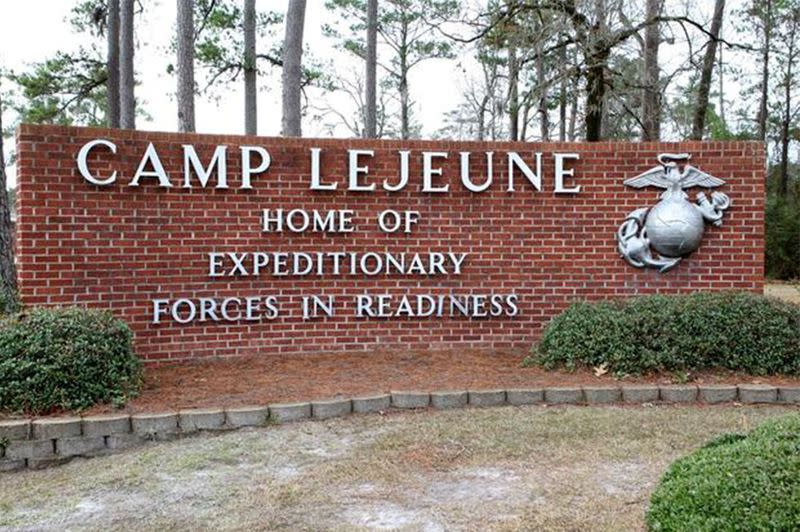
<point x="27" y="443"/>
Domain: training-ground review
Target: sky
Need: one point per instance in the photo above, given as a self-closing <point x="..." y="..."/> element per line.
<point x="436" y="85"/>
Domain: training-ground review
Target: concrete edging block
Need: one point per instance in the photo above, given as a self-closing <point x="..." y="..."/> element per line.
<point x="42" y="463"/>
<point x="287" y="412"/>
<point x="106" y="425"/>
<point x="372" y="403"/>
<point x="446" y="400"/>
<point x="530" y="396"/>
<point x="678" y="393"/>
<point x="120" y="442"/>
<point x="246" y="416"/>
<point x="80" y="446"/>
<point x="758" y="393"/>
<point x="410" y="399"/>
<point x="600" y="395"/>
<point x="640" y="394"/>
<point x="52" y="428"/>
<point x="563" y="396"/>
<point x="789" y="394"/>
<point x="29" y="449"/>
<point x="331" y="408"/>
<point x="155" y="424"/>
<point x="201" y="419"/>
<point x="15" y="429"/>
<point x="487" y="397"/>
<point x="720" y="393"/>
<point x="8" y="466"/>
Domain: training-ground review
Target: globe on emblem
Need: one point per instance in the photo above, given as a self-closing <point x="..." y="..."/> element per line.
<point x="674" y="227"/>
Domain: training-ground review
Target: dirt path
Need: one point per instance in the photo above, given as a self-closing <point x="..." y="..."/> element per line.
<point x="572" y="468"/>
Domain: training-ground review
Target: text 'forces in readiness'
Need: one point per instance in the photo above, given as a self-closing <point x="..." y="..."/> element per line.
<point x="223" y="264"/>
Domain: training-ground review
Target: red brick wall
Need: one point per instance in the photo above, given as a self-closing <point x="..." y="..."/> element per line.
<point x="118" y="247"/>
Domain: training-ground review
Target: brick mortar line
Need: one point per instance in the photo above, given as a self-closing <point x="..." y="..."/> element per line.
<point x="35" y="443"/>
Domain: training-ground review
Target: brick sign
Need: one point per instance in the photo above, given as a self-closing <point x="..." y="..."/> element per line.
<point x="212" y="245"/>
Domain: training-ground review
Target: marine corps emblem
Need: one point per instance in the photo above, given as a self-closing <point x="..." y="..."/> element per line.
<point x="674" y="227"/>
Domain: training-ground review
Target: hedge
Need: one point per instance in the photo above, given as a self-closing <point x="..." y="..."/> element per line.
<point x="734" y="483"/>
<point x="65" y="359"/>
<point x="734" y="331"/>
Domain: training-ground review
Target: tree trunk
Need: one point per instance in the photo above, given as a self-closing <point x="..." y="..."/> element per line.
<point x="513" y="92"/>
<point x="481" y="133"/>
<point x="703" y="90"/>
<point x="127" y="81"/>
<point x="250" y="72"/>
<point x="542" y="90"/>
<point x="293" y="68"/>
<point x="786" y="121"/>
<point x="562" y="96"/>
<point x="186" y="65"/>
<point x="721" y="77"/>
<point x="371" y="89"/>
<point x="766" y="20"/>
<point x="523" y="132"/>
<point x="573" y="113"/>
<point x="8" y="270"/>
<point x="112" y="64"/>
<point x="595" y="94"/>
<point x="405" y="119"/>
<point x="651" y="93"/>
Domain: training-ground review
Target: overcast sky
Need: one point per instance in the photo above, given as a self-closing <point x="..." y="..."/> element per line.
<point x="33" y="30"/>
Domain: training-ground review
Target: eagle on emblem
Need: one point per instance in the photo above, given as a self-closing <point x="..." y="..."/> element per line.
<point x="674" y="226"/>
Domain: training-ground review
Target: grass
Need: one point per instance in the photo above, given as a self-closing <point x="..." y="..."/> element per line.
<point x="788" y="291"/>
<point x="505" y="468"/>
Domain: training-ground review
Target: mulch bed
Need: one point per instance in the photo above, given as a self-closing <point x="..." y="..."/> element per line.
<point x="278" y="378"/>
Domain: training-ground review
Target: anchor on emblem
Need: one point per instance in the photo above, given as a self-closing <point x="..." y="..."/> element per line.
<point x="674" y="227"/>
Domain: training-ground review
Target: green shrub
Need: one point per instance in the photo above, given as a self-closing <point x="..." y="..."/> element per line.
<point x="734" y="483"/>
<point x="52" y="359"/>
<point x="735" y="331"/>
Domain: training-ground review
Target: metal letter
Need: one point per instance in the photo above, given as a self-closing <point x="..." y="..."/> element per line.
<point x="192" y="162"/>
<point x="247" y="170"/>
<point x="84" y="168"/>
<point x="355" y="170"/>
<point x="151" y="156"/>
<point x="316" y="181"/>
<point x="428" y="172"/>
<point x="561" y="173"/>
